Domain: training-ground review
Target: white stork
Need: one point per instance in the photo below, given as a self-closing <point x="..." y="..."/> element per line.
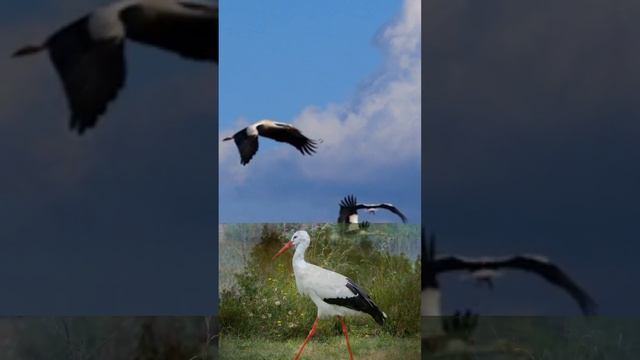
<point x="247" y="139"/>
<point x="334" y="294"/>
<point x="349" y="210"/>
<point x="88" y="53"/>
<point x="485" y="269"/>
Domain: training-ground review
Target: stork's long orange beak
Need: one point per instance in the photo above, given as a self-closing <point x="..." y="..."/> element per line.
<point x="286" y="247"/>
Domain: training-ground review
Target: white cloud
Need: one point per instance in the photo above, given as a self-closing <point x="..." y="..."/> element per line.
<point x="379" y="128"/>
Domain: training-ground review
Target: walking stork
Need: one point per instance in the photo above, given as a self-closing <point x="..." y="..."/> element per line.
<point x="334" y="294"/>
<point x="88" y="54"/>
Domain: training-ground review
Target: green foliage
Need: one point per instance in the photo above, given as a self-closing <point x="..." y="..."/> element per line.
<point x="264" y="301"/>
<point x="551" y="338"/>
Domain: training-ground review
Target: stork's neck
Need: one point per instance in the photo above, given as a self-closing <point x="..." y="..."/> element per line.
<point x="298" y="256"/>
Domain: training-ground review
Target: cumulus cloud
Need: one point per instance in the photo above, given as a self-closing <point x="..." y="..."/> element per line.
<point x="377" y="129"/>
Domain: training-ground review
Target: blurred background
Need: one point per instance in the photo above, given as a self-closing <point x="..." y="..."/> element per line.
<point x="531" y="146"/>
<point x="122" y="219"/>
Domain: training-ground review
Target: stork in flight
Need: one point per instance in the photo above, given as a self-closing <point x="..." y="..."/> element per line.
<point x="334" y="294"/>
<point x="247" y="139"/>
<point x="485" y="269"/>
<point x="88" y="54"/>
<point x="349" y="210"/>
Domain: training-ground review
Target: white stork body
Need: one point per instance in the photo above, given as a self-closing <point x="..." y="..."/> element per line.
<point x="247" y="139"/>
<point x="88" y="54"/>
<point x="334" y="294"/>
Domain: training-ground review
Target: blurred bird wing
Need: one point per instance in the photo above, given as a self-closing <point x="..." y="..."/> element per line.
<point x="188" y="28"/>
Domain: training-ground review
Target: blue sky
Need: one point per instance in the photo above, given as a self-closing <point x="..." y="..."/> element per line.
<point x="321" y="68"/>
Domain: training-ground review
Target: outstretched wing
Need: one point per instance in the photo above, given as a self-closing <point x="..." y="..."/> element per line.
<point x="247" y="145"/>
<point x="553" y="274"/>
<point x="347" y="208"/>
<point x="92" y="72"/>
<point x="386" y="206"/>
<point x="290" y="135"/>
<point x="189" y="28"/>
<point x="537" y="265"/>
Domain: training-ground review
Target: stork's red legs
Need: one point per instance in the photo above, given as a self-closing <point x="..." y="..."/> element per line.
<point x="346" y="336"/>
<point x="311" y="333"/>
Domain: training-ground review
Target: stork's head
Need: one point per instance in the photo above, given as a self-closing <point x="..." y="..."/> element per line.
<point x="298" y="238"/>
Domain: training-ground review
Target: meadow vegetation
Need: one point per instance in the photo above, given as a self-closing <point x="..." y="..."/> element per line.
<point x="553" y="338"/>
<point x="108" y="338"/>
<point x="263" y="304"/>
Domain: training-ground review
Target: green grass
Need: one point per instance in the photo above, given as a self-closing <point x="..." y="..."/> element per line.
<point x="264" y="298"/>
<point x="554" y="338"/>
<point x="321" y="348"/>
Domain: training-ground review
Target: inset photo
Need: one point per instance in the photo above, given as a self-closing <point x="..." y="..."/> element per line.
<point x="319" y="291"/>
<point x="317" y="101"/>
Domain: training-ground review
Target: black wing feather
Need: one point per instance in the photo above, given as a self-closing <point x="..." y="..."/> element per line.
<point x="92" y="72"/>
<point x="347" y="208"/>
<point x="389" y="207"/>
<point x="359" y="302"/>
<point x="194" y="37"/>
<point x="550" y="272"/>
<point x="247" y="145"/>
<point x="556" y="276"/>
<point x="290" y="135"/>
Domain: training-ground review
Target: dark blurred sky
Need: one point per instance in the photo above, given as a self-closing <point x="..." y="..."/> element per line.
<point x="531" y="140"/>
<point x="123" y="219"/>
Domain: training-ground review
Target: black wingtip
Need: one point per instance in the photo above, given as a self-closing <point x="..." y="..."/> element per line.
<point x="380" y="317"/>
<point x="27" y="50"/>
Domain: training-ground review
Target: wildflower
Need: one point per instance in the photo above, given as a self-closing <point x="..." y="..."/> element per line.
<point x="277" y="303"/>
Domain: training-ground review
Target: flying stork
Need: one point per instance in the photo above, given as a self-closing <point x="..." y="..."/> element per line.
<point x="349" y="210"/>
<point x="247" y="139"/>
<point x="334" y="294"/>
<point x="88" y="54"/>
<point x="485" y="269"/>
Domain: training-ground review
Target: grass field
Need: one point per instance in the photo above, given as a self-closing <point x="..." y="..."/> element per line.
<point x="323" y="348"/>
<point x="555" y="338"/>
